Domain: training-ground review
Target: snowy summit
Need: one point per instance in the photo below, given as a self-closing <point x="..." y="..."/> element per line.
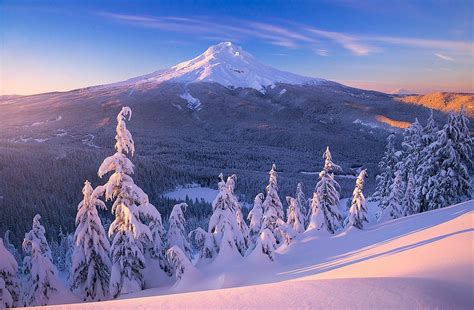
<point x="225" y="64"/>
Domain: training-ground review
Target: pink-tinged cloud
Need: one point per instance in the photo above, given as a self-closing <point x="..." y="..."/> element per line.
<point x="444" y="57"/>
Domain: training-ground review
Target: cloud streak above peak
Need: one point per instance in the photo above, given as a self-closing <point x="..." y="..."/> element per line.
<point x="284" y="35"/>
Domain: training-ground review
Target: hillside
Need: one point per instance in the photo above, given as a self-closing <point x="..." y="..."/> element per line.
<point x="420" y="261"/>
<point x="442" y="101"/>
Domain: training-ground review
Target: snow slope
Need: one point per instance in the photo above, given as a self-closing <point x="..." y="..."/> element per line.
<point x="225" y="64"/>
<point x="420" y="261"/>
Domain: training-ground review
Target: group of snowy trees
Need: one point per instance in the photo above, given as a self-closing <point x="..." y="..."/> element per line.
<point x="429" y="172"/>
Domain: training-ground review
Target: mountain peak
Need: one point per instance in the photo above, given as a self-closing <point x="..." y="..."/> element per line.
<point x="224" y="63"/>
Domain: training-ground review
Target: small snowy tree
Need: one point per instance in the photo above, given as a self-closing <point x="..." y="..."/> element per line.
<point x="235" y="206"/>
<point x="11" y="247"/>
<point x="9" y="289"/>
<point x="295" y="217"/>
<point x="272" y="207"/>
<point x="358" y="210"/>
<point x="301" y="203"/>
<point x="137" y="229"/>
<point x="409" y="201"/>
<point x="41" y="276"/>
<point x="255" y="216"/>
<point x="394" y="208"/>
<point x="177" y="235"/>
<point x="204" y="242"/>
<point x="268" y="243"/>
<point x="426" y="168"/>
<point x="180" y="261"/>
<point x="90" y="270"/>
<point x="387" y="168"/>
<point x="37" y="233"/>
<point x="325" y="201"/>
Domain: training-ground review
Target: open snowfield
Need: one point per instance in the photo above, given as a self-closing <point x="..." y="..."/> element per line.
<point x="193" y="192"/>
<point x="420" y="261"/>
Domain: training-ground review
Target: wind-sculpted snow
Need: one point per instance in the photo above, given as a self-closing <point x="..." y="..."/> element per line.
<point x="419" y="261"/>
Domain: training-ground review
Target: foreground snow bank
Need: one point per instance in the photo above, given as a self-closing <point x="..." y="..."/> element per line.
<point x="420" y="261"/>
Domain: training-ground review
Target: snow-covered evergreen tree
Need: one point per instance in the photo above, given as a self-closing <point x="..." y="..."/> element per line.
<point x="325" y="204"/>
<point x="225" y="212"/>
<point x="37" y="233"/>
<point x="426" y="168"/>
<point x="358" y="210"/>
<point x="179" y="260"/>
<point x="11" y="247"/>
<point x="62" y="251"/>
<point x="268" y="243"/>
<point x="90" y="270"/>
<point x="9" y="289"/>
<point x="394" y="208"/>
<point x="412" y="146"/>
<point x="137" y="231"/>
<point x="41" y="276"/>
<point x="204" y="242"/>
<point x="256" y="216"/>
<point x="177" y="235"/>
<point x="301" y="203"/>
<point x="295" y="217"/>
<point x="409" y="202"/>
<point x="387" y="168"/>
<point x="235" y="205"/>
<point x="451" y="153"/>
<point x="272" y="207"/>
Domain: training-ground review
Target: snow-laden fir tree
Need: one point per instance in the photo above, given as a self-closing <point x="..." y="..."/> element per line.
<point x="302" y="202"/>
<point x="204" y="242"/>
<point x="90" y="270"/>
<point x="272" y="207"/>
<point x="62" y="251"/>
<point x="235" y="205"/>
<point x="426" y="167"/>
<point x="358" y="210"/>
<point x="267" y="242"/>
<point x="387" y="168"/>
<point x="180" y="261"/>
<point x="394" y="208"/>
<point x="295" y="217"/>
<point x="177" y="235"/>
<point x="325" y="204"/>
<point x="225" y="212"/>
<point x="40" y="275"/>
<point x="137" y="231"/>
<point x="9" y="289"/>
<point x="11" y="247"/>
<point x="450" y="158"/>
<point x="409" y="202"/>
<point x="255" y="216"/>
<point x="412" y="146"/>
<point x="37" y="233"/>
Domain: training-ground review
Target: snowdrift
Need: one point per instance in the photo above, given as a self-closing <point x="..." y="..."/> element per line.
<point x="420" y="261"/>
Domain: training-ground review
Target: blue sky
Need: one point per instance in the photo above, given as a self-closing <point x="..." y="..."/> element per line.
<point x="421" y="46"/>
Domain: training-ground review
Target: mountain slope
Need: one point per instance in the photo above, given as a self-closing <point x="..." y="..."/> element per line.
<point x="443" y="101"/>
<point x="420" y="261"/>
<point x="225" y="64"/>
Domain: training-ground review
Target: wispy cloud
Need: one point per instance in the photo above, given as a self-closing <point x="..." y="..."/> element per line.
<point x="288" y="35"/>
<point x="444" y="57"/>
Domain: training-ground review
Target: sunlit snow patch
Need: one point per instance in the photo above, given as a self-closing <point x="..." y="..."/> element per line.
<point x="193" y="103"/>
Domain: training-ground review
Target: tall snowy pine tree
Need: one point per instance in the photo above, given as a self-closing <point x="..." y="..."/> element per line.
<point x="387" y="168"/>
<point x="9" y="289"/>
<point x="41" y="276"/>
<point x="177" y="235"/>
<point x="256" y="216"/>
<point x="325" y="204"/>
<point x="394" y="208"/>
<point x="273" y="208"/>
<point x="358" y="210"/>
<point x="137" y="230"/>
<point x="90" y="270"/>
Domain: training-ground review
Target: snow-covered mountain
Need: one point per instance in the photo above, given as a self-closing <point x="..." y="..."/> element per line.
<point x="225" y="64"/>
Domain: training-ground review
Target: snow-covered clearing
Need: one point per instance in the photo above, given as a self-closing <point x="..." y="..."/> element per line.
<point x="193" y="191"/>
<point x="419" y="261"/>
